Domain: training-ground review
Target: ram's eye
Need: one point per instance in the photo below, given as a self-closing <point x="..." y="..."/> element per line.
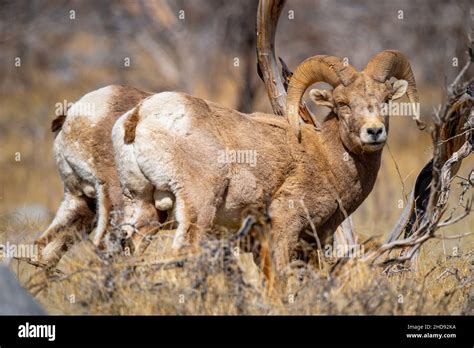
<point x="344" y="108"/>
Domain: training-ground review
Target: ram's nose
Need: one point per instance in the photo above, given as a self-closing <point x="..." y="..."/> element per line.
<point x="373" y="134"/>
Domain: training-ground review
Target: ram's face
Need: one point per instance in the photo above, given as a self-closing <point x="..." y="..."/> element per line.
<point x="358" y="106"/>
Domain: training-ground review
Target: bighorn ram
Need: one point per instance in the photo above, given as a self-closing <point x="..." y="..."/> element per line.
<point x="179" y="144"/>
<point x="84" y="155"/>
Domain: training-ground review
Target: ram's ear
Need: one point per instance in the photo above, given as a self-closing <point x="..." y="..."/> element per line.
<point x="322" y="97"/>
<point x="399" y="89"/>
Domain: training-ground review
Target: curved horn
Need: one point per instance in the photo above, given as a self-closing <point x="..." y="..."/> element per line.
<point x="392" y="63"/>
<point x="327" y="69"/>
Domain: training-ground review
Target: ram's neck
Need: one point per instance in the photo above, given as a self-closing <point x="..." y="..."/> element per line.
<point x="354" y="175"/>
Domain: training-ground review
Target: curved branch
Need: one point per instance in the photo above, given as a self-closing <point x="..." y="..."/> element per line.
<point x="276" y="82"/>
<point x="268" y="14"/>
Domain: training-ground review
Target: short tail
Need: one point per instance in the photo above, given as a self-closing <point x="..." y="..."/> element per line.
<point x="130" y="126"/>
<point x="57" y="123"/>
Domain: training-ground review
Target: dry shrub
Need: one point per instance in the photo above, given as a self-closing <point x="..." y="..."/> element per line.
<point x="219" y="279"/>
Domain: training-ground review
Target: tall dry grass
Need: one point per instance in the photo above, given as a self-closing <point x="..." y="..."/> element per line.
<point x="220" y="280"/>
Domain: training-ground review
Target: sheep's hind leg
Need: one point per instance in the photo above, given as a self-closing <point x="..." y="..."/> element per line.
<point x="184" y="219"/>
<point x="195" y="219"/>
<point x="103" y="213"/>
<point x="157" y="213"/>
<point x="74" y="214"/>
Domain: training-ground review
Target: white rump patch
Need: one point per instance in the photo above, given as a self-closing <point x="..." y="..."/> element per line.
<point x="168" y="111"/>
<point x="94" y="105"/>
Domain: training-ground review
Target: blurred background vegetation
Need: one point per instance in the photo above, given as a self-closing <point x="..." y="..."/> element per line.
<point x="205" y="48"/>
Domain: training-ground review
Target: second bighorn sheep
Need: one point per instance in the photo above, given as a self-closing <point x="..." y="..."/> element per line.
<point x="178" y="144"/>
<point x="85" y="158"/>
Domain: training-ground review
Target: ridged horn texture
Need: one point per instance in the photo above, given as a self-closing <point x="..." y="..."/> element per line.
<point x="392" y="63"/>
<point x="323" y="68"/>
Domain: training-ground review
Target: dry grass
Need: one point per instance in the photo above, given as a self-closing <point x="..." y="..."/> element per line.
<point x="217" y="280"/>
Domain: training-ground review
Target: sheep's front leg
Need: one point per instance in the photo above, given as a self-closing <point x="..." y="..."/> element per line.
<point x="287" y="223"/>
<point x="103" y="213"/>
<point x="73" y="214"/>
<point x="284" y="240"/>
